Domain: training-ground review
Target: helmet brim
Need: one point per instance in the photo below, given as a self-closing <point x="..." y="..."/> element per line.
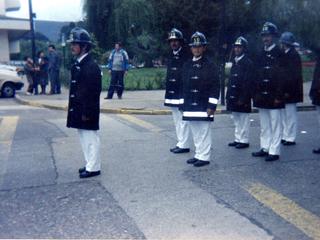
<point x="198" y="44"/>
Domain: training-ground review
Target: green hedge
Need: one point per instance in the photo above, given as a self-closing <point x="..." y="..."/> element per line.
<point x="140" y="79"/>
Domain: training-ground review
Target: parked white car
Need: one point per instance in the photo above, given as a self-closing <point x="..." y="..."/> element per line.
<point x="10" y="82"/>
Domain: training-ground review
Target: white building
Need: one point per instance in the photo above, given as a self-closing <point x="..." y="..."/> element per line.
<point x="11" y="29"/>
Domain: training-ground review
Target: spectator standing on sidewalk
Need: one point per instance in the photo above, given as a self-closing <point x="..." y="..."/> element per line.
<point x="43" y="71"/>
<point x="293" y="88"/>
<point x="178" y="56"/>
<point x="315" y="93"/>
<point x="239" y="93"/>
<point x="200" y="96"/>
<point x="118" y="66"/>
<point x="54" y="70"/>
<point x="29" y="71"/>
<point x="84" y="100"/>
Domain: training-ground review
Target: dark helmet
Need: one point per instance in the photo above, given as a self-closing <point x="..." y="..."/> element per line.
<point x="241" y="41"/>
<point x="287" y="38"/>
<point x="79" y="35"/>
<point x="198" y="39"/>
<point x="175" y="34"/>
<point x="269" y="28"/>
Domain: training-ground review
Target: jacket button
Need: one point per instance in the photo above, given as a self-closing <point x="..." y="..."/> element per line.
<point x="194" y="104"/>
<point x="265" y="93"/>
<point x="172" y="80"/>
<point x="174" y="69"/>
<point x="194" y="91"/>
<point x="195" y="77"/>
<point x="266" y="80"/>
<point x="172" y="92"/>
<point x="71" y="110"/>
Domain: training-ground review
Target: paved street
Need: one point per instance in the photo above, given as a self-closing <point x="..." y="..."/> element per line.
<point x="145" y="191"/>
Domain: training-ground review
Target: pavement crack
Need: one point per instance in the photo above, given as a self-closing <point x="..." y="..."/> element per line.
<point x="50" y="143"/>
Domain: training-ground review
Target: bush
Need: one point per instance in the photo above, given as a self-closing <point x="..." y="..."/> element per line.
<point x="140" y="79"/>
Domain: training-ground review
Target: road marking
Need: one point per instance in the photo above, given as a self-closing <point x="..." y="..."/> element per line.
<point x="16" y="107"/>
<point x="8" y="127"/>
<point x="141" y="123"/>
<point x="304" y="220"/>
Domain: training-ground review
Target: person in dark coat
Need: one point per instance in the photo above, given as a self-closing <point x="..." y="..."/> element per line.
<point x="43" y="71"/>
<point x="54" y="70"/>
<point x="239" y="93"/>
<point x="269" y="94"/>
<point x="293" y="89"/>
<point x="199" y="100"/>
<point x="315" y="93"/>
<point x="84" y="100"/>
<point x="177" y="58"/>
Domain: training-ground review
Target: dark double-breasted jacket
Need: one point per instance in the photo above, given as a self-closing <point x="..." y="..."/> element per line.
<point x="292" y="76"/>
<point x="84" y="95"/>
<point x="269" y="84"/>
<point x="239" y="90"/>
<point x="201" y="89"/>
<point x="174" y="77"/>
<point x="315" y="86"/>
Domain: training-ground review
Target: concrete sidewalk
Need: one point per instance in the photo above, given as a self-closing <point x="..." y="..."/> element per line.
<point x="133" y="102"/>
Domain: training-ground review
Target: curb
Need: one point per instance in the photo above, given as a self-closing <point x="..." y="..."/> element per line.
<point x="136" y="111"/>
<point x="20" y="100"/>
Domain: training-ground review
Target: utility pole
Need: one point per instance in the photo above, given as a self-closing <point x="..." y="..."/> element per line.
<point x="33" y="43"/>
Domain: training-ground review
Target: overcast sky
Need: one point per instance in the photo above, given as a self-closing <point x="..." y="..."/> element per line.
<point x="55" y="10"/>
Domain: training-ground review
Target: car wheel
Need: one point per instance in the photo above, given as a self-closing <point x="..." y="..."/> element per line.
<point x="8" y="90"/>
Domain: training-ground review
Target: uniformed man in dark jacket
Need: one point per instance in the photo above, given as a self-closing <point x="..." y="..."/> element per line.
<point x="293" y="89"/>
<point x="268" y="94"/>
<point x="239" y="93"/>
<point x="315" y="93"/>
<point x="200" y="98"/>
<point x="84" y="100"/>
<point x="177" y="58"/>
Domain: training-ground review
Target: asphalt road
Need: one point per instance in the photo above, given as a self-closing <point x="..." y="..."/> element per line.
<point x="145" y="191"/>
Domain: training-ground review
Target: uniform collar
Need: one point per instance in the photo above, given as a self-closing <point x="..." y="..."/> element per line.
<point x="177" y="51"/>
<point x="194" y="59"/>
<point x="268" y="49"/>
<point x="82" y="57"/>
<point x="237" y="59"/>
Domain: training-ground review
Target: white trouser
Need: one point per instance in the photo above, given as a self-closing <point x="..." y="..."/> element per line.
<point x="271" y="130"/>
<point x="242" y="126"/>
<point x="90" y="143"/>
<point x="201" y="133"/>
<point x="182" y="129"/>
<point x="289" y="122"/>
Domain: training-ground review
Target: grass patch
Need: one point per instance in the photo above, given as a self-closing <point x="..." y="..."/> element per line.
<point x="139" y="79"/>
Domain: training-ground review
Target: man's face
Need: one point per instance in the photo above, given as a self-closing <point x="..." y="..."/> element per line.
<point x="198" y="51"/>
<point x="267" y="40"/>
<point x="175" y="44"/>
<point x="75" y="49"/>
<point x="238" y="50"/>
<point x="117" y="46"/>
<point x="50" y="49"/>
